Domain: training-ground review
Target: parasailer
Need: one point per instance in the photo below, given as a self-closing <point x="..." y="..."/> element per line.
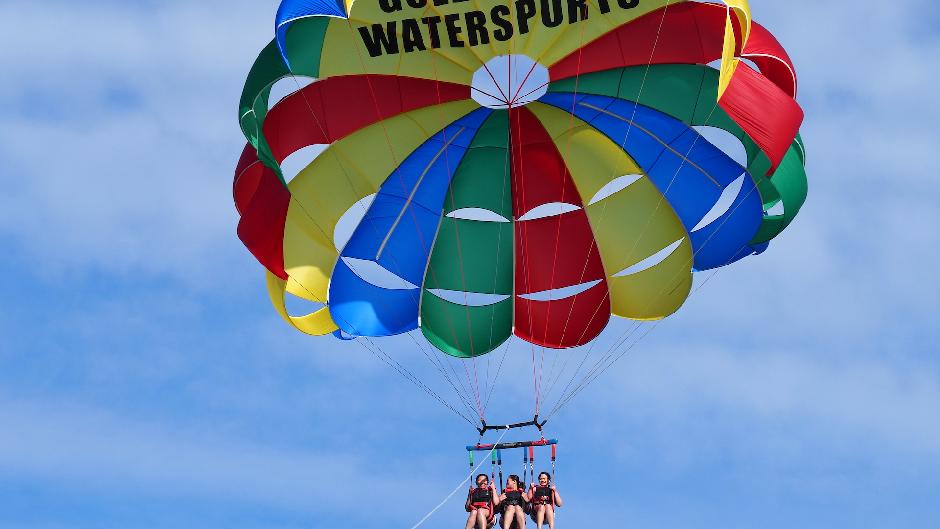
<point x="481" y="503"/>
<point x="545" y="498"/>
<point x="513" y="170"/>
<point x="514" y="500"/>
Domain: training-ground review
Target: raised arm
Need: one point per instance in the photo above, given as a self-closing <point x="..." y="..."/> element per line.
<point x="558" y="501"/>
<point x="497" y="498"/>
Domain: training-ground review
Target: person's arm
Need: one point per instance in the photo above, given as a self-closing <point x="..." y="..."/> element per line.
<point x="467" y="505"/>
<point x="496" y="497"/>
<point x="527" y="495"/>
<point x="558" y="501"/>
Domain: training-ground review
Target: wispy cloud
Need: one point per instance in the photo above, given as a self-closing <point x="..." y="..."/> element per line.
<point x="117" y="133"/>
<point x="95" y="451"/>
<point x="796" y="389"/>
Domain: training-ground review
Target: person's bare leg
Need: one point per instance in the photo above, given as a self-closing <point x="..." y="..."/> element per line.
<point x="508" y="515"/>
<point x="540" y="516"/>
<point x="471" y="519"/>
<point x="550" y="516"/>
<point x="520" y="515"/>
<point x="481" y="518"/>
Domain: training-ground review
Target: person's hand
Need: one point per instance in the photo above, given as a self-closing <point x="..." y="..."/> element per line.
<point x="493" y="487"/>
<point x="553" y="488"/>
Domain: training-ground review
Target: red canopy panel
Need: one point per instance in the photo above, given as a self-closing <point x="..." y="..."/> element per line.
<point x="262" y="200"/>
<point x="775" y="64"/>
<point x="693" y="33"/>
<point x="766" y="113"/>
<point x="333" y="108"/>
<point x="553" y="252"/>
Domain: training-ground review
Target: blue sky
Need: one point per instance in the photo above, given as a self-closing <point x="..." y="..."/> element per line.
<point x="145" y="382"/>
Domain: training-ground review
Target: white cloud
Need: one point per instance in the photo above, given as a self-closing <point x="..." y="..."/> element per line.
<point x="118" y="139"/>
<point x="120" y="135"/>
<point x="688" y="396"/>
<point x="98" y="453"/>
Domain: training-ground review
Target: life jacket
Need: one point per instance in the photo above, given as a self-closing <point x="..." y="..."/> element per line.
<point x="513" y="497"/>
<point x="481" y="498"/>
<point x="542" y="496"/>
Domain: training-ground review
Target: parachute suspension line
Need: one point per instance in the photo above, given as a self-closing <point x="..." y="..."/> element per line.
<point x="607" y="362"/>
<point x="404" y="372"/>
<point x="457" y="488"/>
<point x="497" y="84"/>
<point x="410" y="376"/>
<point x="388" y="360"/>
<point x="379" y="353"/>
<point x="541" y="373"/>
<point x="620" y="341"/>
<point x="515" y="142"/>
<point x="587" y="258"/>
<point x="555" y="373"/>
<point x="438" y="364"/>
<point x="537" y="374"/>
<point x="535" y="379"/>
<point x="391" y="362"/>
<point x="422" y="242"/>
<point x="476" y="381"/>
<point x="610" y="363"/>
<point x="481" y="410"/>
<point x="515" y="97"/>
<point x="604" y="211"/>
<point x="591" y="249"/>
<point x="498" y="371"/>
<point x="507" y="168"/>
<point x="594" y="373"/>
<point x="414" y="191"/>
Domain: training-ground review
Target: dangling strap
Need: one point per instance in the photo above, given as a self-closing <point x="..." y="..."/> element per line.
<point x="554" y="473"/>
<point x="499" y="463"/>
<point x="525" y="462"/>
<point x="531" y="464"/>
<point x="493" y="466"/>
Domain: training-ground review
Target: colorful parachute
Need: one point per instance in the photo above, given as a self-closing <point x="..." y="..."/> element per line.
<point x="534" y="165"/>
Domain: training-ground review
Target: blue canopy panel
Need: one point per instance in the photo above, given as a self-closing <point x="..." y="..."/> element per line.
<point x="697" y="179"/>
<point x="374" y="290"/>
<point x="293" y="10"/>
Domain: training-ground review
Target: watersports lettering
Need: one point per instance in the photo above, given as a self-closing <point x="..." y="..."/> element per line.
<point x="473" y="28"/>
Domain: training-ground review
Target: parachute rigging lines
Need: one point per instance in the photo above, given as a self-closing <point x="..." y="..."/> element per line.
<point x="532" y="182"/>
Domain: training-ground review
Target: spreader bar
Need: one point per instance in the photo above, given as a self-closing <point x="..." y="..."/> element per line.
<point x="534" y="422"/>
<point x="507" y="446"/>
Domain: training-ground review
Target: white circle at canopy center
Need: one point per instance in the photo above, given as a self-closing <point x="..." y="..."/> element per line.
<point x="509" y="81"/>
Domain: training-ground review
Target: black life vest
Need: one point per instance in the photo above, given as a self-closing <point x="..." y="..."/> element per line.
<point x="514" y="497"/>
<point x="543" y="495"/>
<point x="480" y="497"/>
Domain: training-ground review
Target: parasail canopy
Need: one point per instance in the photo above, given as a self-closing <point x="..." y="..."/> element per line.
<point x="524" y="168"/>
